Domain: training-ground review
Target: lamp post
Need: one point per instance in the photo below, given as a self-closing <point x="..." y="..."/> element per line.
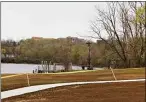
<point x="89" y="56"/>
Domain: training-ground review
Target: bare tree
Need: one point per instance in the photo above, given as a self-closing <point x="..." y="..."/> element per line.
<point x="125" y="33"/>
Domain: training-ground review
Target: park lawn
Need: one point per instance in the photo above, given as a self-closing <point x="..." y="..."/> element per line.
<point x="98" y="75"/>
<point x="107" y="92"/>
<point x="3" y="75"/>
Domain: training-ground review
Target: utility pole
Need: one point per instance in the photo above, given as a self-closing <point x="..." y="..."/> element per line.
<point x="89" y="55"/>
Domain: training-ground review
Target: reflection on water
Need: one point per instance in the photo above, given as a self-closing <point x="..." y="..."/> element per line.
<point x="28" y="68"/>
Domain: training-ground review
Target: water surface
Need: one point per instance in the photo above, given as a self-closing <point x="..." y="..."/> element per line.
<point x="28" y="68"/>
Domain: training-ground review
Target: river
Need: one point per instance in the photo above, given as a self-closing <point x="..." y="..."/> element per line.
<point x="27" y="68"/>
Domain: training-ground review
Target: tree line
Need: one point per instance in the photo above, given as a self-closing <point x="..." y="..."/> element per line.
<point x="61" y="50"/>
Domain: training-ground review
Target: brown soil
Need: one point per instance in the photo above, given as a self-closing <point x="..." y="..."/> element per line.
<point x="109" y="92"/>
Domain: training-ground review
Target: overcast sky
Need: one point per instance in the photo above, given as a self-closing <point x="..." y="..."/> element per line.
<point x="47" y="19"/>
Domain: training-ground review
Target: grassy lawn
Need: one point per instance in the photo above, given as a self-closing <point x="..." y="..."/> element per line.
<point x="3" y="75"/>
<point x="98" y="75"/>
<point x="108" y="92"/>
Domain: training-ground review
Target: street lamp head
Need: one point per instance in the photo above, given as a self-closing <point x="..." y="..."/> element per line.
<point x="88" y="43"/>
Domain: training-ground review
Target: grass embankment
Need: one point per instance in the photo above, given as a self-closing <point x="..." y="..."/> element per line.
<point x="98" y="75"/>
<point x="108" y="92"/>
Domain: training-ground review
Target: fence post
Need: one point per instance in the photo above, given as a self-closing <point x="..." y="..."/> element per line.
<point x="28" y="80"/>
<point x="113" y="73"/>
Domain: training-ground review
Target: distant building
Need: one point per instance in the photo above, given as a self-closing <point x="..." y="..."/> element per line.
<point x="37" y="38"/>
<point x="72" y="39"/>
<point x="76" y="39"/>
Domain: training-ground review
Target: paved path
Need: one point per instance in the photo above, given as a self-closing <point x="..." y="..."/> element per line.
<point x="20" y="91"/>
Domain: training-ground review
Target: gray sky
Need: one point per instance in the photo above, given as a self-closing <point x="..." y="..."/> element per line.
<point x="47" y="19"/>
